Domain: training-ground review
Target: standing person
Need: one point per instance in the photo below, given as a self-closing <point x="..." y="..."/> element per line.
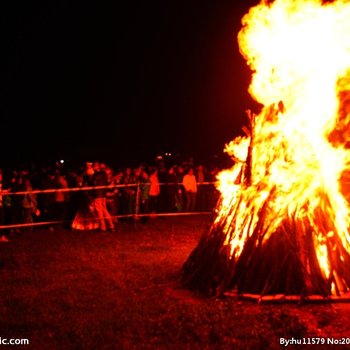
<point x="16" y="209"/>
<point x="61" y="198"/>
<point x="137" y="202"/>
<point x="190" y="184"/>
<point x="180" y="191"/>
<point x="144" y="194"/>
<point x="213" y="193"/>
<point x="163" y="196"/>
<point x="202" y="198"/>
<point x="129" y="192"/>
<point x="117" y="180"/>
<point x="111" y="195"/>
<point x="100" y="179"/>
<point x="2" y="211"/>
<point x="171" y="190"/>
<point x="29" y="203"/>
<point x="47" y="200"/>
<point x="73" y="199"/>
<point x="86" y="216"/>
<point x="3" y="237"/>
<point x="154" y="190"/>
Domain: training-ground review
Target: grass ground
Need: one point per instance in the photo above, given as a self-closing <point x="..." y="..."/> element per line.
<point x="68" y="290"/>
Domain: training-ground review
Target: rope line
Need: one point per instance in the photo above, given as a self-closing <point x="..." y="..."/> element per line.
<point x="90" y="188"/>
<point x="135" y="216"/>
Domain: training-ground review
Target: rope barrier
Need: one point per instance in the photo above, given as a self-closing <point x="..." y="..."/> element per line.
<point x="135" y="216"/>
<point x="90" y="188"/>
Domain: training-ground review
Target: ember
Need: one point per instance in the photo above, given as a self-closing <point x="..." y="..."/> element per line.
<point x="282" y="220"/>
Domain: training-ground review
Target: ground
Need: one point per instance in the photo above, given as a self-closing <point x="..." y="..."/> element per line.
<point x="121" y="290"/>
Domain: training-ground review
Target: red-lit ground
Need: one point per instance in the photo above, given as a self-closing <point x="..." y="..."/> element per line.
<point x="66" y="290"/>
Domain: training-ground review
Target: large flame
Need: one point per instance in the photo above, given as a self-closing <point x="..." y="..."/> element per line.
<point x="293" y="160"/>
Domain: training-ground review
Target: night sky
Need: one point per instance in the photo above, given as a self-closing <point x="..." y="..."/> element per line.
<point x="119" y="81"/>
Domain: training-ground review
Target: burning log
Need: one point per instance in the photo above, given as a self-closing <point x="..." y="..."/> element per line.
<point x="282" y="222"/>
<point x="286" y="263"/>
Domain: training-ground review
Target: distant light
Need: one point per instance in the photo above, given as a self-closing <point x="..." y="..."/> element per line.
<point x="159" y="157"/>
<point x="61" y="161"/>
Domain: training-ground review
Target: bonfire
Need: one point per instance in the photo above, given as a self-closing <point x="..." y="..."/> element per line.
<point x="282" y="221"/>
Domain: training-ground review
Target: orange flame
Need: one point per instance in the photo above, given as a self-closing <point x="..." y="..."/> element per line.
<point x="299" y="53"/>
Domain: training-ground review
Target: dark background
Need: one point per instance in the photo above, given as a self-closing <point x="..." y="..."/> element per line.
<point x="119" y="82"/>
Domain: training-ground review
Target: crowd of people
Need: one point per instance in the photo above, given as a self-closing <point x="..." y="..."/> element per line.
<point x="94" y="196"/>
